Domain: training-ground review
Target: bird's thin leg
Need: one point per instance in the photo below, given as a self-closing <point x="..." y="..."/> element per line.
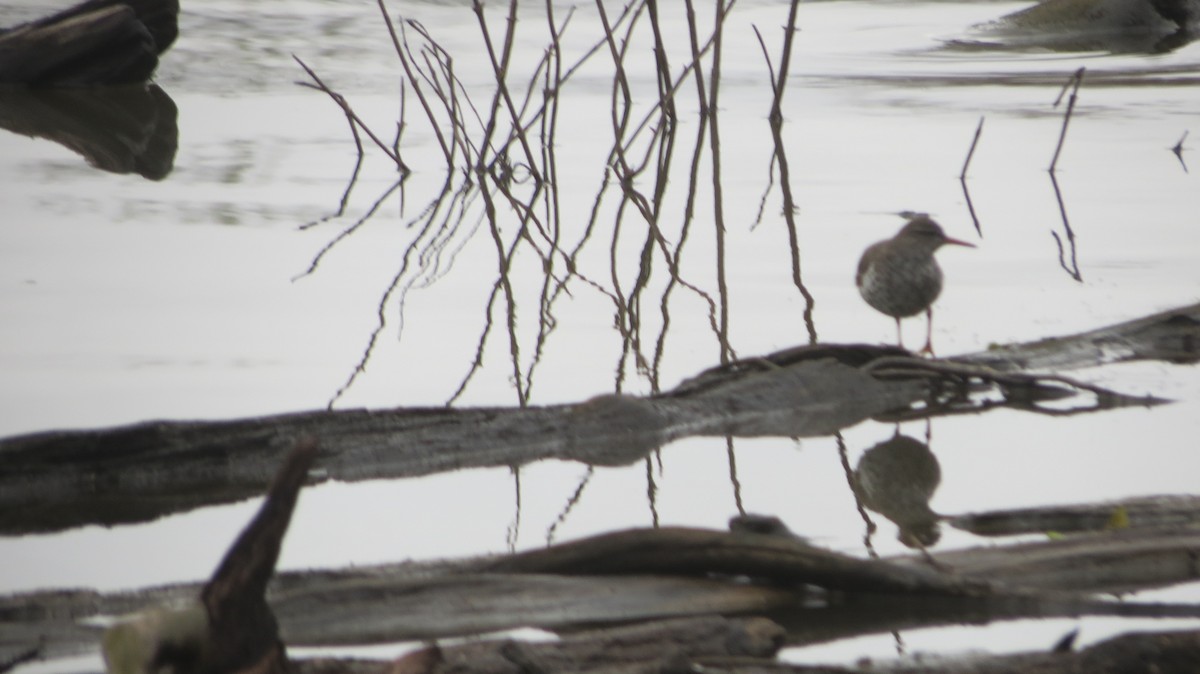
<point x="929" y="332"/>
<point x="899" y="334"/>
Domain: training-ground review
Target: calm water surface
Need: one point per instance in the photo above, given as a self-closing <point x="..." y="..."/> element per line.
<point x="126" y="299"/>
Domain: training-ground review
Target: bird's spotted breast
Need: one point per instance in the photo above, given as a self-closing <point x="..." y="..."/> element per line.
<point x="895" y="287"/>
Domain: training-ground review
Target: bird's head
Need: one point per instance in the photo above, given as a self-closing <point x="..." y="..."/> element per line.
<point x="922" y="231"/>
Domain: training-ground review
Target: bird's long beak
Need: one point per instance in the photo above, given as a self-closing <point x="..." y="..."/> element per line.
<point x="956" y="242"/>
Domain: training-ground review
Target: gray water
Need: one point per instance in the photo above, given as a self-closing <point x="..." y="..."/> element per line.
<point x="126" y="299"/>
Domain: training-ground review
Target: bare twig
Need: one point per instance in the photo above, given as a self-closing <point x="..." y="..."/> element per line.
<point x="358" y="163"/>
<point x="1178" y="151"/>
<point x="341" y="101"/>
<point x="312" y="267"/>
<point x="734" y="481"/>
<point x="852" y="482"/>
<point x="970" y="206"/>
<point x="962" y="177"/>
<point x="500" y="68"/>
<point x="652" y="489"/>
<point x="570" y="504"/>
<point x="714" y="133"/>
<point x="1072" y="85"/>
<point x="449" y="95"/>
<point x="514" y="528"/>
<point x="404" y="63"/>
<point x="779" y="158"/>
<point x="1073" y="268"/>
<point x="971" y="152"/>
<point x="767" y="57"/>
<point x="400" y="123"/>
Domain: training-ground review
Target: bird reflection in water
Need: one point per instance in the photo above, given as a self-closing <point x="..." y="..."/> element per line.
<point x="896" y="478"/>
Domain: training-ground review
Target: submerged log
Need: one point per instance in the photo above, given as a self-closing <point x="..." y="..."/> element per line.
<point x="1175" y="652"/>
<point x="1171" y="336"/>
<point x="98" y="42"/>
<point x="648" y="647"/>
<point x="59" y="479"/>
<point x="670" y="573"/>
<point x="1181" y="511"/>
<point x="1151" y="652"/>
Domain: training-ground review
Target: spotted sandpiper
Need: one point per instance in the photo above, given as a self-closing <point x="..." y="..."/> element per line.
<point x="899" y="276"/>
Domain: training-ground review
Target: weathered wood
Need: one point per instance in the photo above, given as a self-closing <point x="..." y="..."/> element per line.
<point x="647" y="647"/>
<point x="59" y="479"/>
<point x="1176" y="652"/>
<point x="1171" y="336"/>
<point x="642" y="575"/>
<point x="385" y="610"/>
<point x="98" y="42"/>
<point x="700" y="552"/>
<point x="1152" y="511"/>
<point x="1086" y="25"/>
<point x="1157" y="652"/>
<point x="1113" y="562"/>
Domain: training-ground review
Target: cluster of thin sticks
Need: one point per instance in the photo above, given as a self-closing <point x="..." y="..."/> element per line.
<point x="501" y="164"/>
<point x="501" y="158"/>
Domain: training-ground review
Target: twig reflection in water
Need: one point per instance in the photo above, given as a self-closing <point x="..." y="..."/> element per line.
<point x="445" y="100"/>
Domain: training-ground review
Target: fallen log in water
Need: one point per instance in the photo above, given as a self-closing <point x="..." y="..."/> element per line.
<point x="98" y="42"/>
<point x="59" y="479"/>
<point x="669" y="573"/>
<point x="1181" y="511"/>
<point x="648" y="647"/>
<point x="1160" y="652"/>
<point x="1171" y="336"/>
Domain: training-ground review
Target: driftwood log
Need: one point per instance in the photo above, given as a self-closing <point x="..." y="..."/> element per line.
<point x="1152" y="511"/>
<point x="55" y="480"/>
<point x="677" y="577"/>
<point x="98" y="42"/>
<point x="1091" y="25"/>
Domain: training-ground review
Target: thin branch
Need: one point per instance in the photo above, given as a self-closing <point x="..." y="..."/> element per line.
<point x="1073" y="269"/>
<point x="341" y="101"/>
<point x="779" y="158"/>
<point x="358" y="163"/>
<point x="1178" y="151"/>
<point x="1073" y="85"/>
<point x="971" y="152"/>
<point x="404" y="63"/>
<point x="962" y="177"/>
